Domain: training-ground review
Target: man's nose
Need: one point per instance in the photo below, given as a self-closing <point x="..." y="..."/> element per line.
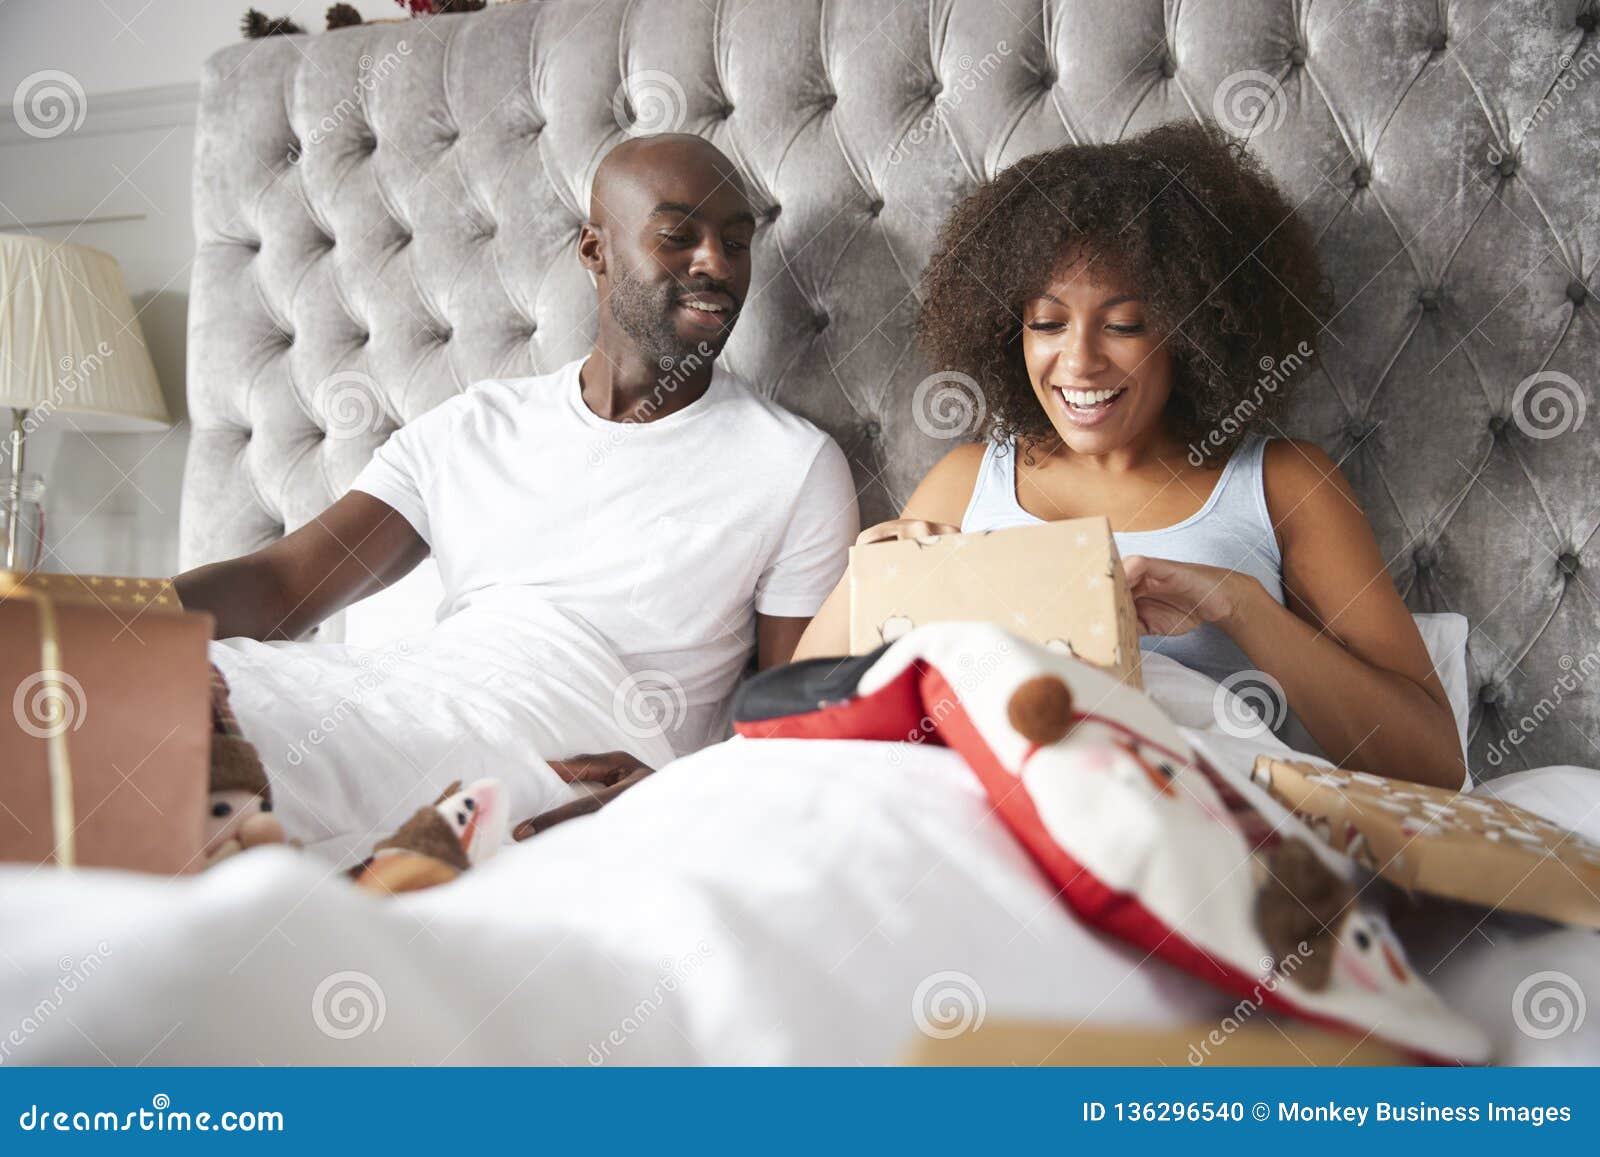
<point x="711" y="262"/>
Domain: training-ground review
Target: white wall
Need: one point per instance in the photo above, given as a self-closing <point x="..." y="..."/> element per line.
<point x="120" y="182"/>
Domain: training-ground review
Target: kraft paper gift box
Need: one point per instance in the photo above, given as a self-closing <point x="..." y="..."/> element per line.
<point x="1439" y="842"/>
<point x="105" y="749"/>
<point x="1059" y="584"/>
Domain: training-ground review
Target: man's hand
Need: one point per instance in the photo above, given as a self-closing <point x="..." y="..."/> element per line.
<point x="610" y="773"/>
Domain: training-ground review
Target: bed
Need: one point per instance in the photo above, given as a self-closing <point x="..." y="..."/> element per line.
<point x="385" y="214"/>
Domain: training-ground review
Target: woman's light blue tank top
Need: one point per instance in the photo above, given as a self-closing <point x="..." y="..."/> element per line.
<point x="1232" y="530"/>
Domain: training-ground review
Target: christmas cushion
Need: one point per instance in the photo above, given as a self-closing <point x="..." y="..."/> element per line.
<point x="1143" y="838"/>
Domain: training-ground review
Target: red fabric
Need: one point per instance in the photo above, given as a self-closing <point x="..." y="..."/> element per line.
<point x="893" y="712"/>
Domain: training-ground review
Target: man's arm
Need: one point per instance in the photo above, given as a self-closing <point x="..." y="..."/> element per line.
<point x="357" y="546"/>
<point x="776" y="638"/>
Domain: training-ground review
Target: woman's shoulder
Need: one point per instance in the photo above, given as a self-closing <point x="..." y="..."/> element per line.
<point x="1302" y="481"/>
<point x="945" y="490"/>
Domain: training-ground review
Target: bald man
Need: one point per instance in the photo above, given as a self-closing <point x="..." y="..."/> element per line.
<point x="653" y="498"/>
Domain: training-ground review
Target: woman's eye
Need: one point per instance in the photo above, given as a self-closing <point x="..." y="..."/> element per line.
<point x="1137" y="328"/>
<point x="1045" y="326"/>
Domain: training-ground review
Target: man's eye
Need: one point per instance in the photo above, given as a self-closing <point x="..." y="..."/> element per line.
<point x="678" y="238"/>
<point x="737" y="246"/>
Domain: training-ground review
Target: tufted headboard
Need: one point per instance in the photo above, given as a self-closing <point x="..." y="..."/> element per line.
<point x="385" y="214"/>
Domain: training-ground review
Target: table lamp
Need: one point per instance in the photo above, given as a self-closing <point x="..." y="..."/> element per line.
<point x="70" y="342"/>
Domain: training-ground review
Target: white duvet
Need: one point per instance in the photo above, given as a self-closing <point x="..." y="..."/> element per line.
<point x="355" y="738"/>
<point x="757" y="902"/>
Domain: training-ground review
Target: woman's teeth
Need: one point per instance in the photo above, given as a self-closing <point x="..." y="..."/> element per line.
<point x="1089" y="399"/>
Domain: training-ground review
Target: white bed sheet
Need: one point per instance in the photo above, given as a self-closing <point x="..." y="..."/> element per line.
<point x="758" y="902"/>
<point x="775" y="901"/>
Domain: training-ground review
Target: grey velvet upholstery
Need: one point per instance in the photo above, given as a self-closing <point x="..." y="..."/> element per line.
<point x="385" y="214"/>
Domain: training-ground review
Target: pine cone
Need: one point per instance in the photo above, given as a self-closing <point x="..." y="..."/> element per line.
<point x="343" y="16"/>
<point x="255" y="25"/>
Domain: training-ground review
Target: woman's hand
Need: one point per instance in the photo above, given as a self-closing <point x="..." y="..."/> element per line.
<point x="1173" y="598"/>
<point x="897" y="528"/>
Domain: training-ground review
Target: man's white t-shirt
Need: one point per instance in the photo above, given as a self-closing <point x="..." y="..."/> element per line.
<point x="666" y="538"/>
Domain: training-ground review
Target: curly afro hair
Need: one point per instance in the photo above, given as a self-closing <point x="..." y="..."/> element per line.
<point x="1225" y="268"/>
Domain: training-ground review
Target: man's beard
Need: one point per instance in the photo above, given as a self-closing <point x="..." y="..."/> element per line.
<point x="645" y="314"/>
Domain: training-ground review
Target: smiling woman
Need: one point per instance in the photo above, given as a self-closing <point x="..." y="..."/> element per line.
<point x="1220" y="271"/>
<point x="1133" y="314"/>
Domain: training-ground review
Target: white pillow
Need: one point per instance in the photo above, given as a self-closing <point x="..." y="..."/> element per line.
<point x="399" y="611"/>
<point x="1445" y="636"/>
<point x="1563" y="794"/>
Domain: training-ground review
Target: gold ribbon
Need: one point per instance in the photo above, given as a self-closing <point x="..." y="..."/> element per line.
<point x="63" y="818"/>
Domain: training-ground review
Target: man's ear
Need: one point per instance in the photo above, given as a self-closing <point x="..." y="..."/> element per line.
<point x="591" y="249"/>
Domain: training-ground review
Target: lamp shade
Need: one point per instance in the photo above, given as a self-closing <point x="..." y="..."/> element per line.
<point x="70" y="340"/>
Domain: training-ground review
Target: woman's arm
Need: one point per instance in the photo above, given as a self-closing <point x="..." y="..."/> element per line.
<point x="935" y="507"/>
<point x="1346" y="650"/>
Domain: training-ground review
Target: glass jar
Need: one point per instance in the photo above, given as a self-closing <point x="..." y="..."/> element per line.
<point x="27" y="524"/>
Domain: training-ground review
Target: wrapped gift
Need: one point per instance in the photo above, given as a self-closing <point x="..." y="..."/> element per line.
<point x="105" y="757"/>
<point x="1058" y="584"/>
<point x="1440" y="842"/>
